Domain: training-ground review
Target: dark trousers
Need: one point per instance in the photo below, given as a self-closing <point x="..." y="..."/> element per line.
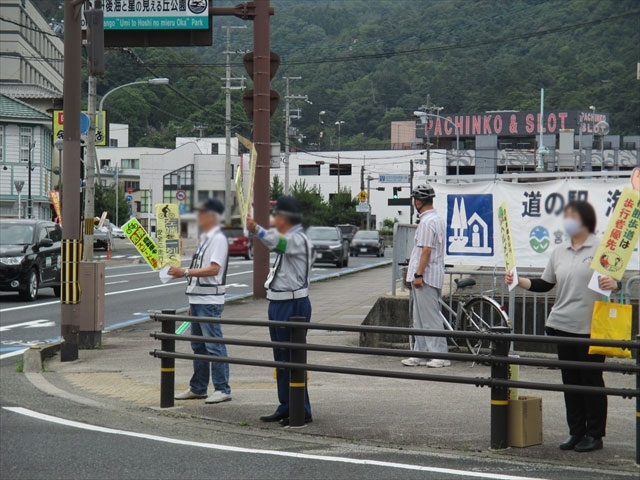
<point x="283" y="311"/>
<point x="586" y="413"/>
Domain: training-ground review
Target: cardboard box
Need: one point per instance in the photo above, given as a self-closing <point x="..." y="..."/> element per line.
<point x="525" y="422"/>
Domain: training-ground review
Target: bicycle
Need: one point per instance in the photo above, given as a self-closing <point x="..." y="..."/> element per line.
<point x="474" y="313"/>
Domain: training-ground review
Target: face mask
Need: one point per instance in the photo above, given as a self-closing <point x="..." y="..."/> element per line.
<point x="572" y="226"/>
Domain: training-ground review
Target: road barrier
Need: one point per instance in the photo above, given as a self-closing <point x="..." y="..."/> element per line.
<point x="498" y="358"/>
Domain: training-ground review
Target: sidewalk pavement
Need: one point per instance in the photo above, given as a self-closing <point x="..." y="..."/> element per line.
<point x="401" y="413"/>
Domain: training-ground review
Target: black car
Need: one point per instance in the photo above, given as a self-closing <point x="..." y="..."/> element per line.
<point x="329" y="246"/>
<point x="367" y="242"/>
<point x="30" y="257"/>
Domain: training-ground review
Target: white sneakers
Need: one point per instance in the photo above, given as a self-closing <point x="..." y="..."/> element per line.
<point x="189" y="395"/>
<point x="215" y="397"/>
<point x="421" y="362"/>
<point x="414" y="362"/>
<point x="437" y="363"/>
<point x="218" y="397"/>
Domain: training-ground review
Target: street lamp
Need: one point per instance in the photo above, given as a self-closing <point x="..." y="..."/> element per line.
<point x="150" y="81"/>
<point x="339" y="123"/>
<point x="320" y="114"/>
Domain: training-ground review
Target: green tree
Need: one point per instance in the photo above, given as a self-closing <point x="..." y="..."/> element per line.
<point x="314" y="209"/>
<point x="105" y="201"/>
<point x="342" y="209"/>
<point x="276" y="189"/>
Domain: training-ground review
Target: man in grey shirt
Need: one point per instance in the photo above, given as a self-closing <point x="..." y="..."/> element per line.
<point x="287" y="290"/>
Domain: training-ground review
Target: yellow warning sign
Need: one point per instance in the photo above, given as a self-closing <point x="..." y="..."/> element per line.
<point x="142" y="241"/>
<point x="362" y="196"/>
<point x="168" y="234"/>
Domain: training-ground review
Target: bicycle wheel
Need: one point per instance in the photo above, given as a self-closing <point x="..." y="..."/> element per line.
<point x="481" y="314"/>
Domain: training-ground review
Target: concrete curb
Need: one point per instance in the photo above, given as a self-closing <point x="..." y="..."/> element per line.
<point x="34" y="357"/>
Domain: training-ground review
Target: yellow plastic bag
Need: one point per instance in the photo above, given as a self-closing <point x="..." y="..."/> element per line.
<point x="611" y="321"/>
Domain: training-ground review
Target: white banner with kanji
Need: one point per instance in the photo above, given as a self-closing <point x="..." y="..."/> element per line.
<point x="535" y="213"/>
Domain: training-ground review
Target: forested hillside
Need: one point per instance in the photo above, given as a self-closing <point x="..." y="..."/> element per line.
<point x="368" y="62"/>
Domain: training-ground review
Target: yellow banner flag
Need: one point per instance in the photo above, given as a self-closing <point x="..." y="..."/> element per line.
<point x="244" y="201"/>
<point x="168" y="234"/>
<point x="620" y="238"/>
<point x="54" y="195"/>
<point x="505" y="235"/>
<point x="142" y="241"/>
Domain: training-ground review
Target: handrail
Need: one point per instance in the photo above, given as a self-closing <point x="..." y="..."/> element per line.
<point x="500" y="339"/>
<point x="630" y="344"/>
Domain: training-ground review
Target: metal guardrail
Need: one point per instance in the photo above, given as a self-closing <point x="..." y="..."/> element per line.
<point x="499" y="360"/>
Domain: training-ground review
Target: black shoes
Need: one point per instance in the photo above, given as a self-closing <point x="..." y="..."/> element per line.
<point x="571" y="442"/>
<point x="589" y="444"/>
<point x="285" y="421"/>
<point x="274" y="417"/>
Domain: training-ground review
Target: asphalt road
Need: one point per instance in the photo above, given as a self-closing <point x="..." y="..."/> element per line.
<point x="43" y="436"/>
<point x="130" y="292"/>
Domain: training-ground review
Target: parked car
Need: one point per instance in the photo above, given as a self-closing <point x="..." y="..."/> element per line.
<point x="348" y="231"/>
<point x="240" y="245"/>
<point x="117" y="232"/>
<point x="30" y="257"/>
<point x="367" y="242"/>
<point x="329" y="246"/>
<point x="101" y="237"/>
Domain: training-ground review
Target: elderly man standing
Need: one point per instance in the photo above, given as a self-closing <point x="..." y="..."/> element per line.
<point x="206" y="278"/>
<point x="287" y="289"/>
<point x="426" y="273"/>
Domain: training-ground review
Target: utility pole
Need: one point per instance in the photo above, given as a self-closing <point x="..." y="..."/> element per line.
<point x="71" y="239"/>
<point x="261" y="135"/>
<point x="411" y="190"/>
<point x="287" y="127"/>
<point x="428" y="109"/>
<point x="90" y="168"/>
<point x="227" y="124"/>
<point x="369" y="178"/>
<point x="29" y="163"/>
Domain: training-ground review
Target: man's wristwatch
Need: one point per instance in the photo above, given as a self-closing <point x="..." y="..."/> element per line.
<point x="186" y="273"/>
<point x="415" y="275"/>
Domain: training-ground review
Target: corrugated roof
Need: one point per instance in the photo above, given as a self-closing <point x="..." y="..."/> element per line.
<point x="14" y="108"/>
<point x="19" y="90"/>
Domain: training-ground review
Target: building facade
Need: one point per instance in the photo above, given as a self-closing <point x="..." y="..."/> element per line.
<point x="25" y="140"/>
<point x="31" y="64"/>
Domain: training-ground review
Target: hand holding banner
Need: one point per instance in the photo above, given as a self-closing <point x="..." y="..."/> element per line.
<point x="507" y="243"/>
<point x="168" y="234"/>
<point x="620" y="237"/>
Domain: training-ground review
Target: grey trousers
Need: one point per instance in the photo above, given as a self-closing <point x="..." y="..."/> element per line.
<point x="426" y="314"/>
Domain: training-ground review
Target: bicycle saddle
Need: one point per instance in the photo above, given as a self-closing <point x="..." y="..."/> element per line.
<point x="465" y="282"/>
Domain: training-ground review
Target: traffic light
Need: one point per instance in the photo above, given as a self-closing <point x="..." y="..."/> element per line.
<point x="95" y="41"/>
<point x="274" y="97"/>
<point x="396" y="191"/>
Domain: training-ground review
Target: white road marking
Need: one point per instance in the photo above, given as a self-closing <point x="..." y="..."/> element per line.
<point x="15" y="353"/>
<point x="139" y="289"/>
<point x="237" y="285"/>
<point x="276" y="453"/>
<point x="116" y="282"/>
<point x="115" y="257"/>
<point x="30" y="324"/>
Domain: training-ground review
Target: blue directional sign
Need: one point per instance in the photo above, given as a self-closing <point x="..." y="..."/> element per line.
<point x="394" y="178"/>
<point x="129" y="198"/>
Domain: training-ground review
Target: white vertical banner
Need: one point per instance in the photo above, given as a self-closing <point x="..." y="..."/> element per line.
<point x="535" y="211"/>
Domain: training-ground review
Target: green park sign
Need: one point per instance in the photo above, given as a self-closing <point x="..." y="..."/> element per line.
<point x="156" y="14"/>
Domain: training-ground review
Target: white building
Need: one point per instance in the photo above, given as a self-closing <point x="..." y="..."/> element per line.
<point x="25" y="137"/>
<point x="199" y="175"/>
<point x="210" y="145"/>
<point x="31" y="56"/>
<point x="320" y="169"/>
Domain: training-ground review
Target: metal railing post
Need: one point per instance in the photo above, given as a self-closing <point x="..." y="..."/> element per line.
<point x="167" y="365"/>
<point x="638" y="405"/>
<point x="297" y="379"/>
<point x="499" y="394"/>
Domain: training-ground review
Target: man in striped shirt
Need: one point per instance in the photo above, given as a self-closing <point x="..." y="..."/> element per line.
<point x="426" y="273"/>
